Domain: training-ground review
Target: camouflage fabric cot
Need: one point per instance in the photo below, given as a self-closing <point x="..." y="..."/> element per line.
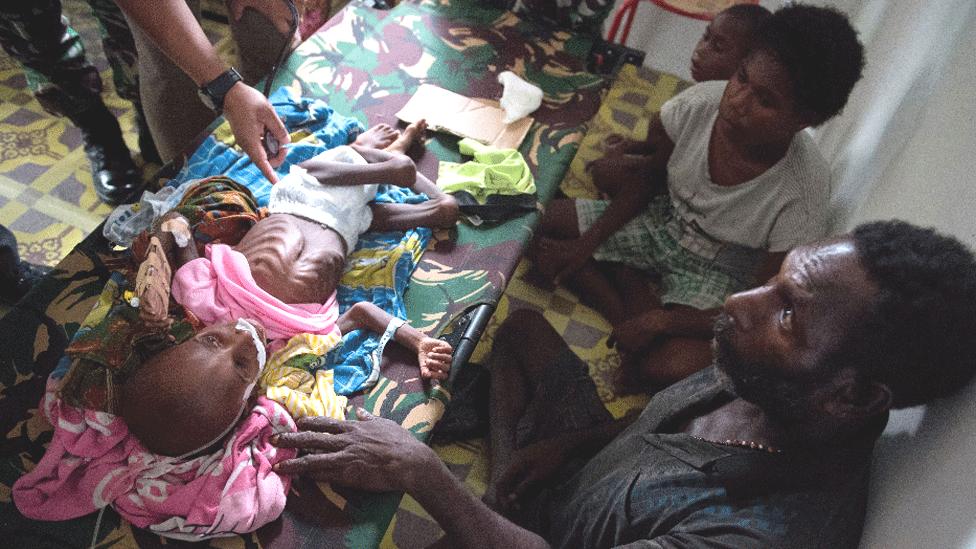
<point x="365" y="63"/>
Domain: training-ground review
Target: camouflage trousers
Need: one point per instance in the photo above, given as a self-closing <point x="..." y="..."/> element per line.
<point x="174" y="112"/>
<point x="38" y="36"/>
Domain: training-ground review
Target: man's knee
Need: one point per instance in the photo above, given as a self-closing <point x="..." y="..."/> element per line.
<point x="675" y="359"/>
<point x="520" y="324"/>
<point x="527" y="341"/>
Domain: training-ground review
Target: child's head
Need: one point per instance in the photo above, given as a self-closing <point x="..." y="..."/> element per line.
<point x="726" y="42"/>
<point x="191" y="395"/>
<point x="800" y="72"/>
<point x="819" y="51"/>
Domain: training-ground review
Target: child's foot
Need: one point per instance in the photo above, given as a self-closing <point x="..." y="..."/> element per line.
<point x="379" y="136"/>
<point x="408" y="137"/>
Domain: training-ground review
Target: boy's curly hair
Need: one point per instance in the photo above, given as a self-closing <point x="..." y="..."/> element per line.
<point x="920" y="338"/>
<point x="751" y="16"/>
<point x="821" y="53"/>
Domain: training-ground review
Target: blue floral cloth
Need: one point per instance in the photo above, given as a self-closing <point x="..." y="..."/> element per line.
<point x="378" y="270"/>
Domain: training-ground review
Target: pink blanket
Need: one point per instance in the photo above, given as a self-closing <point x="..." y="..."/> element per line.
<point x="220" y="288"/>
<point x="93" y="461"/>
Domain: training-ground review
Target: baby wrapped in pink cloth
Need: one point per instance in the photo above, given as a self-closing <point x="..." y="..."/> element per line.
<point x="96" y="458"/>
<point x="93" y="461"/>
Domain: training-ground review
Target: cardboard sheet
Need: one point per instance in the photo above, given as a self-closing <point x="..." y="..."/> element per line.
<point x="479" y="119"/>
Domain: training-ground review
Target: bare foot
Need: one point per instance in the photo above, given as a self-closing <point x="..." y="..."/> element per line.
<point x="407" y="138"/>
<point x="379" y="136"/>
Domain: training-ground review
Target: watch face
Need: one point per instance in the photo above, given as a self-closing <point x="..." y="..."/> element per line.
<point x="206" y="99"/>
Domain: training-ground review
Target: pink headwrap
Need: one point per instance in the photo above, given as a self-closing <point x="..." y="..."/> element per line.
<point x="220" y="288"/>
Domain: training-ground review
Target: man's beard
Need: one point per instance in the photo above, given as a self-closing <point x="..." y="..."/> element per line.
<point x="785" y="399"/>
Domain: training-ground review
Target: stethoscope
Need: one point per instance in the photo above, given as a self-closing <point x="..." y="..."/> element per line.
<point x="271" y="145"/>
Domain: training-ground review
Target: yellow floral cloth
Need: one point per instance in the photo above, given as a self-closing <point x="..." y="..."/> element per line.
<point x="304" y="391"/>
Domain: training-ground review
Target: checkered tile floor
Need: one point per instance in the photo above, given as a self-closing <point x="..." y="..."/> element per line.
<point x="46" y="196"/>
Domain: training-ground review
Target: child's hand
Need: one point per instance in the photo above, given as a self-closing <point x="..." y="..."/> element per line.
<point x="434" y="357"/>
<point x="636" y="333"/>
<point x="558" y="260"/>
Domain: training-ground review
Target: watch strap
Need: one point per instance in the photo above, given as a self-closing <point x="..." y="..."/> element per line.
<point x="212" y="93"/>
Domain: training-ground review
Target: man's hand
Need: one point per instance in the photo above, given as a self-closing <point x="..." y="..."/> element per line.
<point x="434" y="356"/>
<point x="372" y="454"/>
<point x="530" y="466"/>
<point x="559" y="260"/>
<point x="250" y="114"/>
<point x="635" y="333"/>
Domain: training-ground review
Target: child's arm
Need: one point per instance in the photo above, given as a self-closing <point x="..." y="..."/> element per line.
<point x="163" y="258"/>
<point x="433" y="355"/>
<point x="441" y="210"/>
<point x="173" y="231"/>
<point x="634" y="193"/>
<point x="382" y="167"/>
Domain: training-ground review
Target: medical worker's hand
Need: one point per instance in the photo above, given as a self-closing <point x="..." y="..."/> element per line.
<point x="434" y="356"/>
<point x="373" y="454"/>
<point x="250" y="114"/>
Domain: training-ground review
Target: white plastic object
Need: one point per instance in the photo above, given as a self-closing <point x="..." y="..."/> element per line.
<point x="519" y="98"/>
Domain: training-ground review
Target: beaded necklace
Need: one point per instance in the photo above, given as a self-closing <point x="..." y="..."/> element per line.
<point x="743" y="444"/>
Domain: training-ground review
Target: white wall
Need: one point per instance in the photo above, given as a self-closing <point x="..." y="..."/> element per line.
<point x="905" y="147"/>
<point x="924" y="489"/>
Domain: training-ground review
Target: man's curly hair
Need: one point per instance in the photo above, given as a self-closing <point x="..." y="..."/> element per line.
<point x="920" y="337"/>
<point x="821" y="53"/>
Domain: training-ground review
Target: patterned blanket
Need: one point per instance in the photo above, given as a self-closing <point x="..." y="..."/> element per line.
<point x="365" y="64"/>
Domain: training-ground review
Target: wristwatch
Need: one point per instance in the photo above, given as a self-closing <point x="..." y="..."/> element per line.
<point x="212" y="93"/>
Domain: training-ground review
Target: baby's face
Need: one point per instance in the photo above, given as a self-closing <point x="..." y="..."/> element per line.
<point x="719" y="51"/>
<point x="225" y="355"/>
<point x="187" y="396"/>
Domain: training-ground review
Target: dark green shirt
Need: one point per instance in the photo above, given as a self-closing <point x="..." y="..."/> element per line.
<point x="655" y="487"/>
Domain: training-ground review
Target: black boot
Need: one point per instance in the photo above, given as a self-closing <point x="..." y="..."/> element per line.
<point x="146" y="144"/>
<point x="16" y="277"/>
<point x="14" y="288"/>
<point x="116" y="177"/>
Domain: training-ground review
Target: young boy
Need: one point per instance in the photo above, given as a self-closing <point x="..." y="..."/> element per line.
<point x="744" y="184"/>
<point x="727" y="40"/>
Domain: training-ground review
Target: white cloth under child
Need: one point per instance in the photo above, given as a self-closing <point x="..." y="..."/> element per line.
<point x="344" y="209"/>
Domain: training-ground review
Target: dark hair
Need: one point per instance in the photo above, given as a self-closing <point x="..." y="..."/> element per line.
<point x="821" y="53"/>
<point x="751" y="16"/>
<point x="920" y="337"/>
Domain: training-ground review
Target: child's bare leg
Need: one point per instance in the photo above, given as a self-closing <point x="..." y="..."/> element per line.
<point x="596" y="290"/>
<point x="408" y="137"/>
<point x="379" y="136"/>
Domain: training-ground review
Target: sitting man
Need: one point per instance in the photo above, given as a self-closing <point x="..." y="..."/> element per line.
<point x="745" y="183"/>
<point x="769" y="448"/>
